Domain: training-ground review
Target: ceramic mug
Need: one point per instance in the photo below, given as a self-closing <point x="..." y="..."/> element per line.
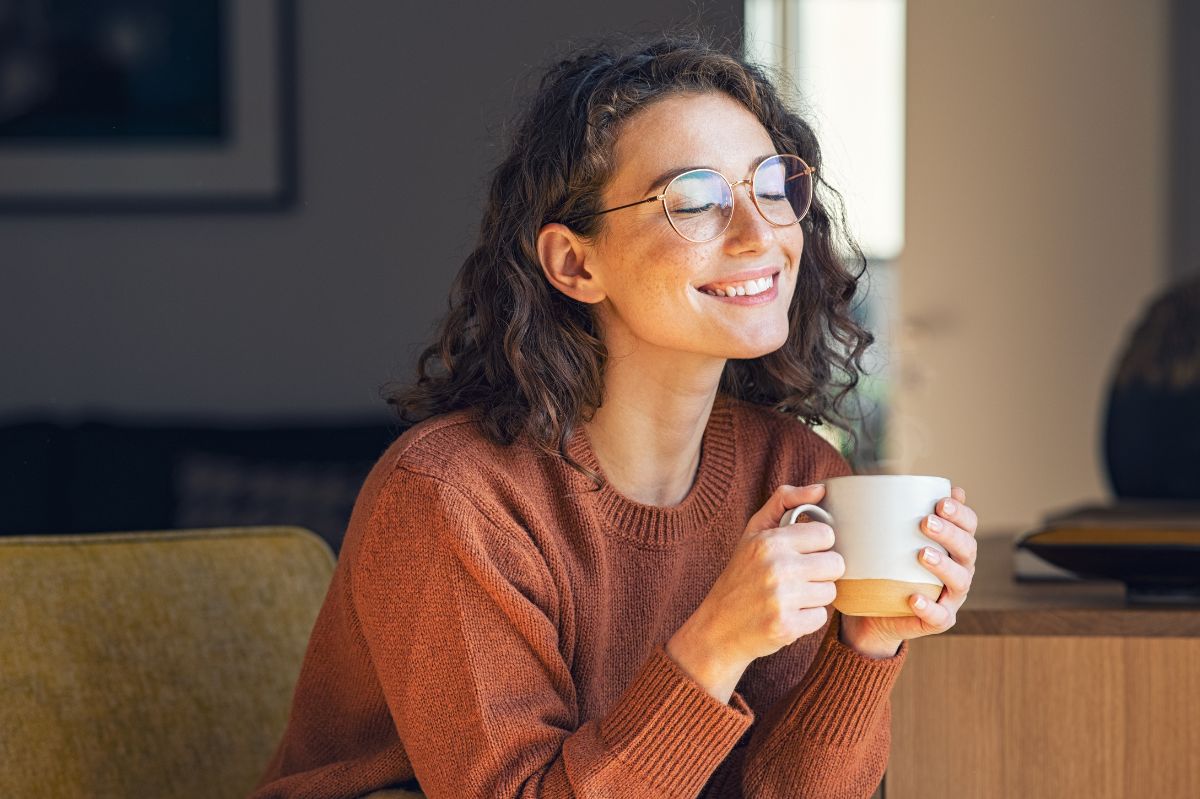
<point x="876" y="521"/>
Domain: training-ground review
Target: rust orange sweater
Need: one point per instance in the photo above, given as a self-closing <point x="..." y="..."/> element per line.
<point x="494" y="628"/>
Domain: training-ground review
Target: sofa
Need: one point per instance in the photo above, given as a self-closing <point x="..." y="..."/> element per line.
<point x="106" y="473"/>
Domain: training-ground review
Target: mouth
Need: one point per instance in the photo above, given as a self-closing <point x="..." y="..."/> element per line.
<point x="750" y="292"/>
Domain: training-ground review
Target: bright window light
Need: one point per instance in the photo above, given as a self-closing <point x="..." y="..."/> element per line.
<point x="846" y="58"/>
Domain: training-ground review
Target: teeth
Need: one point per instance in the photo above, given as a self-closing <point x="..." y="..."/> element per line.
<point x="750" y="287"/>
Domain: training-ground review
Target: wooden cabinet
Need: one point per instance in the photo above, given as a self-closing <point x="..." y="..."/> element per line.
<point x="1049" y="690"/>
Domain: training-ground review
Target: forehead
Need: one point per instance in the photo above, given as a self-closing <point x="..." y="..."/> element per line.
<point x="710" y="129"/>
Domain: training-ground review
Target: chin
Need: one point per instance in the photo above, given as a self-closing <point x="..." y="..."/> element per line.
<point x="751" y="351"/>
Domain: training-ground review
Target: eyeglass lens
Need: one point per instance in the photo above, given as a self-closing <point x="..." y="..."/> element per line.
<point x="700" y="203"/>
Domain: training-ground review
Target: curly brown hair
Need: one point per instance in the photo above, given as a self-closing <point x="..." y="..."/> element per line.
<point x="529" y="357"/>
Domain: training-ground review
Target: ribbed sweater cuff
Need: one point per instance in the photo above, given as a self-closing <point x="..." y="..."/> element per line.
<point x="840" y="697"/>
<point x="666" y="726"/>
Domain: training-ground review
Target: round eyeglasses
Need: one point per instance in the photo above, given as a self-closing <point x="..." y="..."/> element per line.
<point x="699" y="202"/>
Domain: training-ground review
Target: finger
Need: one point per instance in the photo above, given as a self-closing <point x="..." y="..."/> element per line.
<point x="961" y="545"/>
<point x="805" y="537"/>
<point x="936" y="616"/>
<point x="822" y="566"/>
<point x="816" y="594"/>
<point x="959" y="493"/>
<point x="958" y="513"/>
<point x="954" y="576"/>
<point x="784" y="498"/>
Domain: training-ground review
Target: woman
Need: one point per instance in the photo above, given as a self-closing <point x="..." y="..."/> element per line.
<point x="567" y="579"/>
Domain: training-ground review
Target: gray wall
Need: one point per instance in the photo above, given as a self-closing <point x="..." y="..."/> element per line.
<point x="306" y="312"/>
<point x="1036" y="229"/>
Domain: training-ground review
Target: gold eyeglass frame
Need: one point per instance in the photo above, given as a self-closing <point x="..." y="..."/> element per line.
<point x="807" y="171"/>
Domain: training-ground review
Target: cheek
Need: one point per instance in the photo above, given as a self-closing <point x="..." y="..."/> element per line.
<point x="793" y="245"/>
<point x="656" y="301"/>
<point x="663" y="275"/>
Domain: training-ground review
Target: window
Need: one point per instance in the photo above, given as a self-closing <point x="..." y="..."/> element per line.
<point x="845" y="64"/>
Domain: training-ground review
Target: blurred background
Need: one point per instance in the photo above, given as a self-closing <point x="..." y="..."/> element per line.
<point x="224" y="225"/>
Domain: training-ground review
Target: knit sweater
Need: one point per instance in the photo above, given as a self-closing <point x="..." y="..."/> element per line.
<point x="497" y="628"/>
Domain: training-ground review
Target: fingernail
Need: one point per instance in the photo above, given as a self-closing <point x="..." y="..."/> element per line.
<point x="948" y="507"/>
<point x="935" y="523"/>
<point x="920" y="603"/>
<point x="931" y="556"/>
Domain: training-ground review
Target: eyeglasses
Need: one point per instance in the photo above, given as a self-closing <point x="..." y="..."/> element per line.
<point x="699" y="203"/>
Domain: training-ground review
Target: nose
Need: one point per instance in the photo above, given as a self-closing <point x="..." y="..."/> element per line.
<point x="748" y="229"/>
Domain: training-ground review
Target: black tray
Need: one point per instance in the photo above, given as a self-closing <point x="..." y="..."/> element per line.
<point x="1158" y="566"/>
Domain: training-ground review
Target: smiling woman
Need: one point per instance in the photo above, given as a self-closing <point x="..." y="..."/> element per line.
<point x="604" y="130"/>
<point x="569" y="578"/>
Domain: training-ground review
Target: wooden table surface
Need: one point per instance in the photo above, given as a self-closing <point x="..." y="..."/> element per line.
<point x="1000" y="605"/>
<point x="1044" y="690"/>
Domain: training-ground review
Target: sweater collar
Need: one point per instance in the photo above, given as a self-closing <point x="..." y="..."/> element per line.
<point x="664" y="526"/>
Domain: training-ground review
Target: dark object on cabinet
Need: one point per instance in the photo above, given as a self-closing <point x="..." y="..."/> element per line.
<point x="1152" y="424"/>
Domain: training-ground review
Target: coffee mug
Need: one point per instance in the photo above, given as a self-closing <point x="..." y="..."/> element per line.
<point x="876" y="521"/>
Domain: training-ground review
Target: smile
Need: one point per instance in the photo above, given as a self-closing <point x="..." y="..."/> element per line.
<point x="749" y="292"/>
<point x="745" y="288"/>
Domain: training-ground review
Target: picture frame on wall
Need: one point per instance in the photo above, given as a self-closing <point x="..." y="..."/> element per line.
<point x="133" y="106"/>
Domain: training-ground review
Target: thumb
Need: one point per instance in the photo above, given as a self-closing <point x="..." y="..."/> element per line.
<point x="785" y="498"/>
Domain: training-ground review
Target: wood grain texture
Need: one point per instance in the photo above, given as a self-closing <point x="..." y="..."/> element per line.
<point x="1165" y="706"/>
<point x="1046" y="716"/>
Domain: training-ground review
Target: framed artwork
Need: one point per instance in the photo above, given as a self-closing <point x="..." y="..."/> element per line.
<point x="146" y="105"/>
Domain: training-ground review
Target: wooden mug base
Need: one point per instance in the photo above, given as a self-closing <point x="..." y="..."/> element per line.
<point x="880" y="597"/>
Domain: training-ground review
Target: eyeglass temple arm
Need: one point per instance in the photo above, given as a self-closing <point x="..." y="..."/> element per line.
<point x="619" y="207"/>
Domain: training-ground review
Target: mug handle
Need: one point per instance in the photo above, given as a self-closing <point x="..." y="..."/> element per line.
<point x="820" y="513"/>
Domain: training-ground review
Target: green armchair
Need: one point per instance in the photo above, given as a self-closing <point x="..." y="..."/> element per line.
<point x="152" y="663"/>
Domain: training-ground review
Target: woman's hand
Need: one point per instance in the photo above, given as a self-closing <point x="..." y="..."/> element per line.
<point x="774" y="590"/>
<point x="881" y="636"/>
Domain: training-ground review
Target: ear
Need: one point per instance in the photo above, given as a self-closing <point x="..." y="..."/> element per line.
<point x="564" y="257"/>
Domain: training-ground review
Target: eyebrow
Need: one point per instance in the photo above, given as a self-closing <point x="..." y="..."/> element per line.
<point x="679" y="170"/>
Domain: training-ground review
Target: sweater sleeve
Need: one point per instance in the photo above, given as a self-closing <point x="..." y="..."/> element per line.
<point x="830" y="735"/>
<point x="460" y="615"/>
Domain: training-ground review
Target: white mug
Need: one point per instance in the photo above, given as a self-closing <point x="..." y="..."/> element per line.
<point x="876" y="521"/>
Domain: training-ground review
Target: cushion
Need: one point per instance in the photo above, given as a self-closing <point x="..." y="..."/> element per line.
<point x="152" y="663"/>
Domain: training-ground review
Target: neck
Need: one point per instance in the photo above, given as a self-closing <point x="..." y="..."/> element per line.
<point x="647" y="437"/>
